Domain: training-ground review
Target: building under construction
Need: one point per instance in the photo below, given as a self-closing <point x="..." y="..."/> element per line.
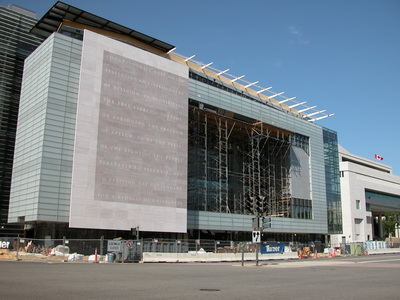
<point x="237" y="164"/>
<point x="153" y="140"/>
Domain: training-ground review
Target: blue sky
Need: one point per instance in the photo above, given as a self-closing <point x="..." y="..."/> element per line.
<point x="342" y="56"/>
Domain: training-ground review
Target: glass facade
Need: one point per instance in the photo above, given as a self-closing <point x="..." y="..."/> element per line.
<point x="297" y="201"/>
<point x="16" y="43"/>
<point x="240" y="165"/>
<point x="379" y="197"/>
<point x="332" y="177"/>
<point x="42" y="170"/>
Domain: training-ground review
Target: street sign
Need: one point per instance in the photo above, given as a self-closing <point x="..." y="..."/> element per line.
<point x="129" y="244"/>
<point x="256" y="236"/>
<point x="114" y="246"/>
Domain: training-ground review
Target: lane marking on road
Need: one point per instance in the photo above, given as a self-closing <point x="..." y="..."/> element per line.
<point x="321" y="263"/>
<point x="377" y="261"/>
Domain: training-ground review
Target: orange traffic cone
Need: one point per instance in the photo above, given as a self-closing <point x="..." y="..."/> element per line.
<point x="96" y="260"/>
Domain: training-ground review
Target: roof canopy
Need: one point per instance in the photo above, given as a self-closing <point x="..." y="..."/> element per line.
<point x="51" y="21"/>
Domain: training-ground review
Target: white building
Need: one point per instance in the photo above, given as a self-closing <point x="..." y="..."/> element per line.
<point x="368" y="190"/>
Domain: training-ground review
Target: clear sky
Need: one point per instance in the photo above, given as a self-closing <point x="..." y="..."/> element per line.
<point x="342" y="55"/>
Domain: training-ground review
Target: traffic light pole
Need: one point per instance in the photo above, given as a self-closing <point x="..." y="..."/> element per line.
<point x="257" y="248"/>
<point x="256" y="227"/>
<point x="135" y="232"/>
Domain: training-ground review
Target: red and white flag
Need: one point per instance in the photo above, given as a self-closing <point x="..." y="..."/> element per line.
<point x="378" y="157"/>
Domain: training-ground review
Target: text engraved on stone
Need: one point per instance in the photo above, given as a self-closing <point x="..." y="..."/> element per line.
<point x="142" y="135"/>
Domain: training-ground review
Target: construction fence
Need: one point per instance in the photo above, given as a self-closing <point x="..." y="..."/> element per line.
<point x="132" y="250"/>
<point x="122" y="250"/>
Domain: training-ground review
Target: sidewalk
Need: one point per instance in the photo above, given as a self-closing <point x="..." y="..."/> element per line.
<point x="33" y="257"/>
<point x="157" y="257"/>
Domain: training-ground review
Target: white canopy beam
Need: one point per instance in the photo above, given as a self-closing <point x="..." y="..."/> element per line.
<point x="311" y="107"/>
<point x="297" y="104"/>
<point x="237" y="78"/>
<point x="315" y="113"/>
<point x="286" y="100"/>
<point x="205" y="66"/>
<point x="273" y="96"/>
<point x="263" y="90"/>
<point x="173" y="49"/>
<point x="189" y="58"/>
<point x="222" y="72"/>
<point x="250" y="84"/>
<point x="323" y="117"/>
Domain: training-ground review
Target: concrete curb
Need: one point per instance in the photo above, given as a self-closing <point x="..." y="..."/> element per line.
<point x="213" y="257"/>
<point x="383" y="251"/>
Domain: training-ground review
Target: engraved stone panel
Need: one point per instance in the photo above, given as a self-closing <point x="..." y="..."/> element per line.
<point x="142" y="134"/>
<point x="130" y="153"/>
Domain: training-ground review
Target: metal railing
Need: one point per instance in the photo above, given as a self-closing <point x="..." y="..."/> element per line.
<point x="88" y="246"/>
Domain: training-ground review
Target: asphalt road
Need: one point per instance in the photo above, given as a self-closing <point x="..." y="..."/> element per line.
<point x="366" y="277"/>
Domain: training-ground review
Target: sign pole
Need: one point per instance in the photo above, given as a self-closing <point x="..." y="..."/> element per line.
<point x="242" y="256"/>
<point x="63" y="260"/>
<point x="257" y="254"/>
<point x="101" y="245"/>
<point x="18" y="248"/>
<point x="256" y="234"/>
<point x="135" y="232"/>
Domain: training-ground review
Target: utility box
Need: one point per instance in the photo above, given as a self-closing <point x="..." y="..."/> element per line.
<point x="357" y="248"/>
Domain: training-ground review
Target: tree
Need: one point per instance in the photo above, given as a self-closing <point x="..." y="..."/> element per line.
<point x="389" y="223"/>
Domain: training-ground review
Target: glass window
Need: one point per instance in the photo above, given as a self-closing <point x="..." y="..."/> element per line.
<point x="332" y="178"/>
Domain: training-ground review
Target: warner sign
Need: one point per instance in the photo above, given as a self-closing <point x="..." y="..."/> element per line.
<point x="5" y="243"/>
<point x="272" y="248"/>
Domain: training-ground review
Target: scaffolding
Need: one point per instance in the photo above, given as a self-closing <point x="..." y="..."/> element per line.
<point x="197" y="187"/>
<point x="221" y="165"/>
<point x="237" y="166"/>
<point x="254" y="183"/>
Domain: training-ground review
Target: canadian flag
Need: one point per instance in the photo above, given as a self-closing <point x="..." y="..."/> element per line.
<point x="378" y="157"/>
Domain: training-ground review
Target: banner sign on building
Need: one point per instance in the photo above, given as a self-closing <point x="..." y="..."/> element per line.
<point x="266" y="248"/>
